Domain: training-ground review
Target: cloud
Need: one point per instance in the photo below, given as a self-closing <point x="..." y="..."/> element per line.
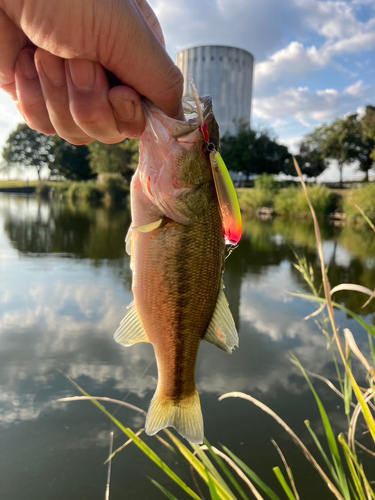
<point x="303" y="109"/>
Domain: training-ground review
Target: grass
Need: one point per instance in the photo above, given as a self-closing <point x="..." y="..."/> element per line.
<point x="360" y="201"/>
<point x="226" y="477"/>
<point x="17" y="184"/>
<point x="108" y="188"/>
<point x="292" y="202"/>
<point x="288" y="202"/>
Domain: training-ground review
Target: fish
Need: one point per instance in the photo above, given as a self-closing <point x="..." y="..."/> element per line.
<point x="177" y="246"/>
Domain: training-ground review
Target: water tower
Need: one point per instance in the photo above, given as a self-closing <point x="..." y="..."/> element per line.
<point x="225" y="73"/>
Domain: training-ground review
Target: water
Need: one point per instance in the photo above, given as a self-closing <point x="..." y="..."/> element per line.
<point x="65" y="284"/>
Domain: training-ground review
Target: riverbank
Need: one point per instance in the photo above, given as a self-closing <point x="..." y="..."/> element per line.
<point x="291" y="202"/>
<point x="270" y="200"/>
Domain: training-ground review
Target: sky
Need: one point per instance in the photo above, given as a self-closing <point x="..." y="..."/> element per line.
<point x="314" y="59"/>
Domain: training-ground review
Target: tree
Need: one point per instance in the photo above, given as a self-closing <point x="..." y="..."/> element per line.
<point x="71" y="161"/>
<point x="310" y="157"/>
<point x="28" y="148"/>
<point x="114" y="158"/>
<point x="368" y="123"/>
<point x="253" y="152"/>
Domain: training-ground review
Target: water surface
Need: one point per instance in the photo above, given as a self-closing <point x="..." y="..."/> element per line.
<point x="65" y="284"/>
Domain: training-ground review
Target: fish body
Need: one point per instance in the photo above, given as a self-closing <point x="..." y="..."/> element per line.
<point x="177" y="249"/>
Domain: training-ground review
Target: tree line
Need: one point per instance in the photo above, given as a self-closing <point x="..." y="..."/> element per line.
<point x="347" y="140"/>
<point x="28" y="148"/>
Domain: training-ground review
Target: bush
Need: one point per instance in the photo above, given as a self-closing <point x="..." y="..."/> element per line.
<point x="114" y="186"/>
<point x="252" y="199"/>
<point x="292" y="202"/>
<point x="363" y="197"/>
<point x="43" y="189"/>
<point x="89" y="191"/>
<point x="266" y="182"/>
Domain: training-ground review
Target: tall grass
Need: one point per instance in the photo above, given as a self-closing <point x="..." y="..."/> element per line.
<point x="292" y="201"/>
<point x="227" y="477"/>
<point x="288" y="202"/>
<point x="359" y="201"/>
<point x="110" y="188"/>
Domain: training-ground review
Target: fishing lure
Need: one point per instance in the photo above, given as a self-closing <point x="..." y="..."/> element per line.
<point x="226" y="194"/>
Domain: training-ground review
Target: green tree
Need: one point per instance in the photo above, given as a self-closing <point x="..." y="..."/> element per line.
<point x="253" y="152"/>
<point x="310" y="157"/>
<point x="28" y="148"/>
<point x="71" y="161"/>
<point x="368" y="123"/>
<point x="119" y="158"/>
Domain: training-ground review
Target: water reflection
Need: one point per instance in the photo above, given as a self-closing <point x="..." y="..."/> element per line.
<point x="65" y="285"/>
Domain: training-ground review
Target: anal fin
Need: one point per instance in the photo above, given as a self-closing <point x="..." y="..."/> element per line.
<point x="222" y="330"/>
<point x="131" y="330"/>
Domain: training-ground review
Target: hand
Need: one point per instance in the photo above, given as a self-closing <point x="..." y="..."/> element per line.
<point x="52" y="59"/>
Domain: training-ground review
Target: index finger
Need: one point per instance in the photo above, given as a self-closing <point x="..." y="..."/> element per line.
<point x="12" y="40"/>
<point x="145" y="65"/>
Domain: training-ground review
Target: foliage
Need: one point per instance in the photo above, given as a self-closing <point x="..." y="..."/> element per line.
<point x="346" y="140"/>
<point x="311" y="158"/>
<point x="28" y="148"/>
<point x="119" y="158"/>
<point x="44" y="189"/>
<point x="71" y="161"/>
<point x="266" y="182"/>
<point x="114" y="187"/>
<point x="253" y="152"/>
<point x="362" y="197"/>
<point x="252" y="199"/>
<point x="291" y="201"/>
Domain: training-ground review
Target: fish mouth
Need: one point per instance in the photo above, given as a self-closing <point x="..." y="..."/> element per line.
<point x="181" y="128"/>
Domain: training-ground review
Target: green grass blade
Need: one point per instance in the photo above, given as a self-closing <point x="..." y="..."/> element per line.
<point x="198" y="466"/>
<point x="347" y="387"/>
<point x="370" y="329"/>
<point x="163" y="490"/>
<point x="211" y="485"/>
<point x="141" y="444"/>
<point x="354" y="476"/>
<point x="283" y="483"/>
<point x="342" y="483"/>
<point x="348" y="452"/>
<point x="372" y="348"/>
<point x="252" y="475"/>
<point x="328" y="463"/>
<point x="226" y="470"/>
<point x="210" y="467"/>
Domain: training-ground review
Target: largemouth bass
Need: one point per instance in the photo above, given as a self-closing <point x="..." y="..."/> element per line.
<point x="177" y="247"/>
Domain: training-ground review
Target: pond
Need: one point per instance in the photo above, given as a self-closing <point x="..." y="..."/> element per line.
<point x="65" y="284"/>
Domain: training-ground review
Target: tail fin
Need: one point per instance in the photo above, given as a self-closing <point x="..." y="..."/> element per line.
<point x="184" y="415"/>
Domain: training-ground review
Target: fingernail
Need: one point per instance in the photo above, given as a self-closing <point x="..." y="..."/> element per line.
<point x="26" y="64"/>
<point x="125" y="110"/>
<point x="53" y="69"/>
<point x="82" y="72"/>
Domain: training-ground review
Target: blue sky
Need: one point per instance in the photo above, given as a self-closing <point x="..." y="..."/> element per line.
<point x="314" y="59"/>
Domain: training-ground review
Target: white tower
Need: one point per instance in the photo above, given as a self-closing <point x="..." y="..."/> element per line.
<point x="225" y="73"/>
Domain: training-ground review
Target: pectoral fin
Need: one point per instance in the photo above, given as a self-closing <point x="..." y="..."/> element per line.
<point x="147" y="228"/>
<point x="131" y="330"/>
<point x="222" y="330"/>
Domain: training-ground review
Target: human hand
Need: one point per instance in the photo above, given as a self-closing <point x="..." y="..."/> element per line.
<point x="52" y="59"/>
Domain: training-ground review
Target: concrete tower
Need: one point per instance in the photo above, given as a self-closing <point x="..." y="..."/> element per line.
<point x="225" y="73"/>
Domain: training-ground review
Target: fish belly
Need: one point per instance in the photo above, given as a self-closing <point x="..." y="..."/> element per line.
<point x="177" y="277"/>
